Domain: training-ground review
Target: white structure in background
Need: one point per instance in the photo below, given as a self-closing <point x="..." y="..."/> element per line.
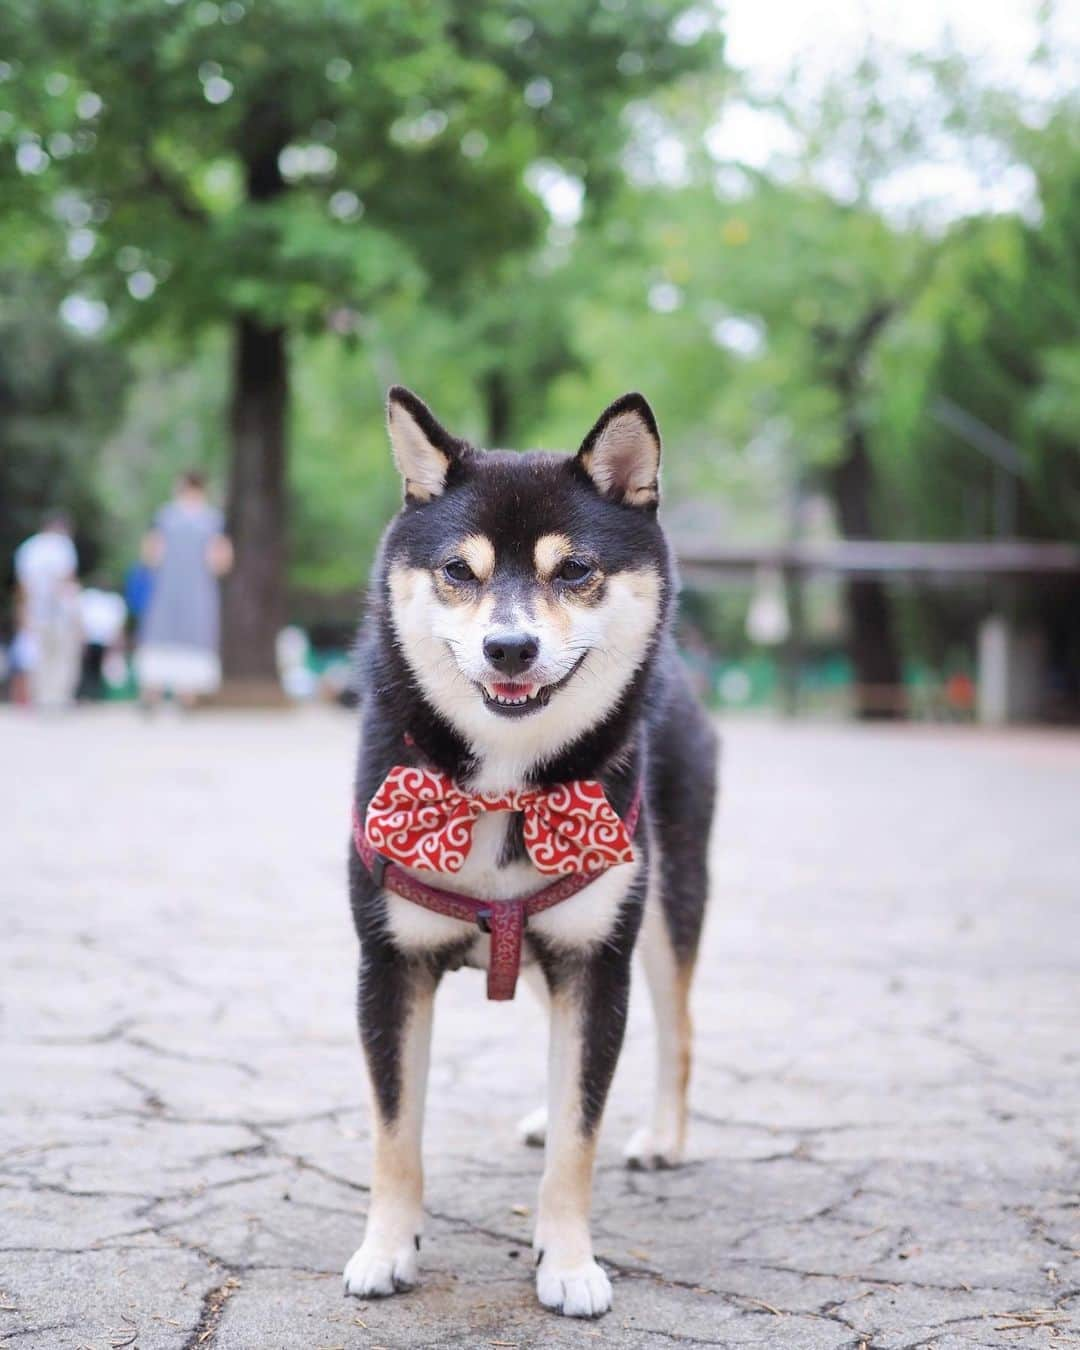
<point x="292" y="652"/>
<point x="767" y="620"/>
<point x="1010" y="666"/>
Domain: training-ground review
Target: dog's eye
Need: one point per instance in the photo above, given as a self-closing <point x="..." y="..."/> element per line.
<point x="457" y="569"/>
<point x="574" y="570"/>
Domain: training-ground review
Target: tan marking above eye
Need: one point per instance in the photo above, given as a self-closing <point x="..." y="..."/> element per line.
<point x="549" y="552"/>
<point x="479" y="552"/>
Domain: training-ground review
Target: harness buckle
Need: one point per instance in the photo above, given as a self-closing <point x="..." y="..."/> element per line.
<point x="378" y="868"/>
<point x="483" y="920"/>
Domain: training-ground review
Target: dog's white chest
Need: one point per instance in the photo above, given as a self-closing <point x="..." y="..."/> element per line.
<point x="581" y="921"/>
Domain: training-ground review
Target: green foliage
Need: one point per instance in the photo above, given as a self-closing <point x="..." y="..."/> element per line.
<point x="172" y="422"/>
<point x="282" y="159"/>
<point x="1000" y="340"/>
<point x="366" y="174"/>
<point x="58" y="396"/>
<point x="344" y="485"/>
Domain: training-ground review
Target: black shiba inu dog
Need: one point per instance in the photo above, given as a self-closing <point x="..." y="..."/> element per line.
<point x="516" y="655"/>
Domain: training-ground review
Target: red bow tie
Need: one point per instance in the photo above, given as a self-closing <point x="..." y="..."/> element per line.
<point x="424" y="820"/>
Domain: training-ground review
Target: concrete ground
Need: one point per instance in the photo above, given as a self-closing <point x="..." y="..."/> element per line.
<point x="884" y="1147"/>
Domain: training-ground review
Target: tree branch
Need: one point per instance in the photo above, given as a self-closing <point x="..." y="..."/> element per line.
<point x="160" y="180"/>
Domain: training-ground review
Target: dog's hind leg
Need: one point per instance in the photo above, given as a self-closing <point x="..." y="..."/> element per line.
<point x="661" y="1143"/>
<point x="395" y="1003"/>
<point x="682" y="785"/>
<point x="532" y="1128"/>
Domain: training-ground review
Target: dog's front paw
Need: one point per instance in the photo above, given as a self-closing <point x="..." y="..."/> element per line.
<point x="377" y="1269"/>
<point x="648" y="1150"/>
<point x="575" y="1291"/>
<point x="532" y="1129"/>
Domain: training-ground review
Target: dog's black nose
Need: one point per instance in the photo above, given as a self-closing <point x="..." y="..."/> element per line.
<point x="511" y="653"/>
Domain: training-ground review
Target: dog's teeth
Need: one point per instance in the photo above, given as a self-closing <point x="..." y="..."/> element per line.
<point x="528" y="695"/>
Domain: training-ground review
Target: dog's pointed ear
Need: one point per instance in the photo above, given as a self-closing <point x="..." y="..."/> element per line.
<point x="424" y="451"/>
<point x="621" y="455"/>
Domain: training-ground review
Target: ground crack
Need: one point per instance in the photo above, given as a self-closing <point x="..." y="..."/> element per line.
<point x="213" y="1308"/>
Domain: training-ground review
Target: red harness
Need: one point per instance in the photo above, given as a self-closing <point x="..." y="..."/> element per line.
<point x="504" y="920"/>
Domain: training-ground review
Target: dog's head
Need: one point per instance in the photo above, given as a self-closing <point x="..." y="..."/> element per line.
<point x="526" y="590"/>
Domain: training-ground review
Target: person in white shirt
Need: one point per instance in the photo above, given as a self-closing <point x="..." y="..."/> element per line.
<point x="103" y="615"/>
<point x="48" y="643"/>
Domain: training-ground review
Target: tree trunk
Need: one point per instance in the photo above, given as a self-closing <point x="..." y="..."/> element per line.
<point x="254" y="608"/>
<point x="254" y="599"/>
<point x="875" y="654"/>
<point x="497" y="403"/>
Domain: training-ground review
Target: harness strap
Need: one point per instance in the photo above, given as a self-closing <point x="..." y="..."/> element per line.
<point x="504" y="920"/>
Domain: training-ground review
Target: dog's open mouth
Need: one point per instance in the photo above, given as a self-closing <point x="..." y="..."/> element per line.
<point x="518" y="698"/>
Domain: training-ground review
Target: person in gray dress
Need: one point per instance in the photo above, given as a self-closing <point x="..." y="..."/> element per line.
<point x="188" y="550"/>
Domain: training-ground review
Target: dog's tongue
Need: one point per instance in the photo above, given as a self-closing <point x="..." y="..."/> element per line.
<point x="513" y="690"/>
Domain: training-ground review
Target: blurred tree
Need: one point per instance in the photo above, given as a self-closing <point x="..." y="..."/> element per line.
<point x="758" y="324"/>
<point x="995" y="341"/>
<point x="841" y="248"/>
<point x="58" y="397"/>
<point x="288" y="166"/>
<point x="1003" y="319"/>
<point x="795" y="274"/>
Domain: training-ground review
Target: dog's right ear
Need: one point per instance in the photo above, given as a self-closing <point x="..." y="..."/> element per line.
<point x="424" y="451"/>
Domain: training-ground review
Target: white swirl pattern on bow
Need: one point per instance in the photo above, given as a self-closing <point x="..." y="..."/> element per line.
<point x="425" y="820"/>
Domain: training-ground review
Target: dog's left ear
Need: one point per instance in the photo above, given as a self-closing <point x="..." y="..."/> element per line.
<point x="424" y="451"/>
<point x="621" y="455"/>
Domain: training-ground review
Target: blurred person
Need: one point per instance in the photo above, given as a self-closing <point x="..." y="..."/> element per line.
<point x="20" y="659"/>
<point x="188" y="551"/>
<point x="8" y="673"/>
<point x="138" y="587"/>
<point x="103" y="614"/>
<point x="48" y="642"/>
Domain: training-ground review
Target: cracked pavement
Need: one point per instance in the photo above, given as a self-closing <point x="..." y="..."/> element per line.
<point x="884" y="1147"/>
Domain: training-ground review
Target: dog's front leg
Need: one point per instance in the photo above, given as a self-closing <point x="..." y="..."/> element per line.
<point x="588" y="1017"/>
<point x="396" y="1001"/>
